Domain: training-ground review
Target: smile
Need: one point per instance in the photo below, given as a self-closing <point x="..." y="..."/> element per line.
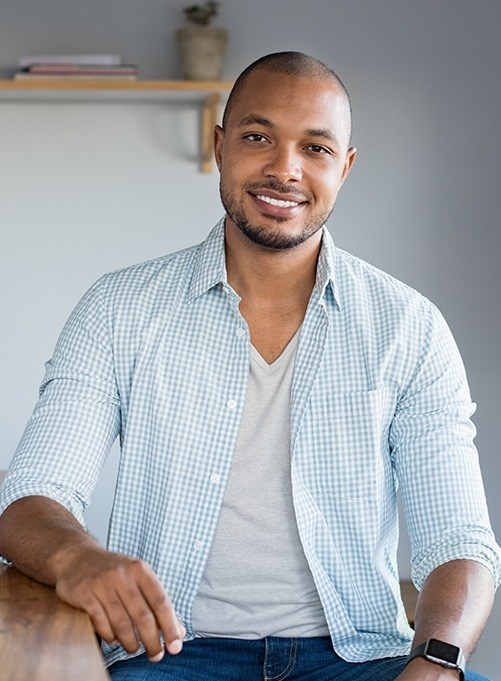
<point x="277" y="202"/>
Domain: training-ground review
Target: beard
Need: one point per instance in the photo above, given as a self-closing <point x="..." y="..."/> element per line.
<point x="266" y="235"/>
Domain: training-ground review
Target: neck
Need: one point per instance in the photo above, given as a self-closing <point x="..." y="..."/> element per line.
<point x="269" y="276"/>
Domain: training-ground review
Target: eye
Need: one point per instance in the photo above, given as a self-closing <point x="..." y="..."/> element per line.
<point x="318" y="149"/>
<point x="255" y="137"/>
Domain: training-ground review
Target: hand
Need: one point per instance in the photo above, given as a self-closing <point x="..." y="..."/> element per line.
<point x="420" y="669"/>
<point x="124" y="599"/>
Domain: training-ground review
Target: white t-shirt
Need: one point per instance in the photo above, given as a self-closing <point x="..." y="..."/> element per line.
<point x="257" y="581"/>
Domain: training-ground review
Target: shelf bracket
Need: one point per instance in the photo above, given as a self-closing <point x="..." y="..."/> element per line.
<point x="210" y="111"/>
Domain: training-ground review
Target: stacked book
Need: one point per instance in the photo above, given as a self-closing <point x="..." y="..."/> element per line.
<point x="75" y="67"/>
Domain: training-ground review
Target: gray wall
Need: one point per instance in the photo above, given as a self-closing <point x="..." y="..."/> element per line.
<point x="90" y="186"/>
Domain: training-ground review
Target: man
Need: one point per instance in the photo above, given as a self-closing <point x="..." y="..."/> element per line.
<point x="268" y="390"/>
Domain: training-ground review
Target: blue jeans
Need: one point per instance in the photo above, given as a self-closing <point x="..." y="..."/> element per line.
<point x="269" y="659"/>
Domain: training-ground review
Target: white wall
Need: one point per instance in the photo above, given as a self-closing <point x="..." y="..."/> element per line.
<point x="90" y="186"/>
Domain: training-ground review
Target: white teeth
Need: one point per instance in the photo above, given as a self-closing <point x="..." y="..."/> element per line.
<point x="278" y="202"/>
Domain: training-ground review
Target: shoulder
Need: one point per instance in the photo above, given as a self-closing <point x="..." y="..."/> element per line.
<point x="151" y="273"/>
<point x="387" y="308"/>
<point x="137" y="289"/>
<point x="131" y="294"/>
<point x="359" y="275"/>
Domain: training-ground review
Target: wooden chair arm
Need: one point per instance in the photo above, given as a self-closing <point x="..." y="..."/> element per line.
<point x="42" y="638"/>
<point x="409" y="596"/>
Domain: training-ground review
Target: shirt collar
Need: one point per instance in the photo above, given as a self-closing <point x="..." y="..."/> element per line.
<point x="210" y="267"/>
<point x="326" y="271"/>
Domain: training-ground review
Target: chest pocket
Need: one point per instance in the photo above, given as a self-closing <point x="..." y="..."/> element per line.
<point x="343" y="443"/>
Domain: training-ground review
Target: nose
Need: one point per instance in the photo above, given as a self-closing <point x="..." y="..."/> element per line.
<point x="284" y="164"/>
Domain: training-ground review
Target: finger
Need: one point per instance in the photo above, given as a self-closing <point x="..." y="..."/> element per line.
<point x="165" y="616"/>
<point x="144" y="622"/>
<point x="174" y="647"/>
<point x="120" y="621"/>
<point x="159" y="656"/>
<point x="99" y="618"/>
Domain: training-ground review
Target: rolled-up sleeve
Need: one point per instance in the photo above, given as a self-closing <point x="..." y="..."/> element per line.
<point x="436" y="462"/>
<point x="77" y="417"/>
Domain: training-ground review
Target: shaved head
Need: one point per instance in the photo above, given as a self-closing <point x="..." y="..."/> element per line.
<point x="289" y="64"/>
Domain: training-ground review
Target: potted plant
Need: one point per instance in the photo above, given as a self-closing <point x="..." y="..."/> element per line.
<point x="202" y="46"/>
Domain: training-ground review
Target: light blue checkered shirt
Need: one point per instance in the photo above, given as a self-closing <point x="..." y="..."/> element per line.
<point x="158" y="354"/>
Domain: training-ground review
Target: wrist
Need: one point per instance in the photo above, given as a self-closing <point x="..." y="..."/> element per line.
<point x="71" y="553"/>
<point x="430" y="671"/>
<point x="442" y="654"/>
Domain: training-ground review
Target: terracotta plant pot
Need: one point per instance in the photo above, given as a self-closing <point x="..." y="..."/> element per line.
<point x="202" y="50"/>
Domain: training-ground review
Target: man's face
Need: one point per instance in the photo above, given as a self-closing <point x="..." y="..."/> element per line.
<point x="283" y="157"/>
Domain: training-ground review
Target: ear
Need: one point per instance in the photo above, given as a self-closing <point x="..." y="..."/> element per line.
<point x="351" y="155"/>
<point x="218" y="145"/>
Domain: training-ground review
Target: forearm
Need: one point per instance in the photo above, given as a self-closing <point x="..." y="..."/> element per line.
<point x="454" y="604"/>
<point x="37" y="532"/>
<point x="122" y="595"/>
<point x="453" y="607"/>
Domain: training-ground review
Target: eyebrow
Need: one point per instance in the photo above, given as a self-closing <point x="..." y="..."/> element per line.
<point x="321" y="132"/>
<point x="256" y="119"/>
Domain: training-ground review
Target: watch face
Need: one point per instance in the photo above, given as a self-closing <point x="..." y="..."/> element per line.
<point x="442" y="651"/>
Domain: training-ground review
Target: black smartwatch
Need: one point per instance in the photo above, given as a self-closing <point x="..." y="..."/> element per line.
<point x="441" y="653"/>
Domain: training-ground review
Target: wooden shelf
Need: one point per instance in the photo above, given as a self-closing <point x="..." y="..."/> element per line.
<point x="133" y="85"/>
<point x="208" y="93"/>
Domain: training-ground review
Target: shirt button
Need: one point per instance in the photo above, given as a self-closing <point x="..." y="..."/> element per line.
<point x="231" y="404"/>
<point x="215" y="478"/>
<point x="240" y="333"/>
<point x="197" y="545"/>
